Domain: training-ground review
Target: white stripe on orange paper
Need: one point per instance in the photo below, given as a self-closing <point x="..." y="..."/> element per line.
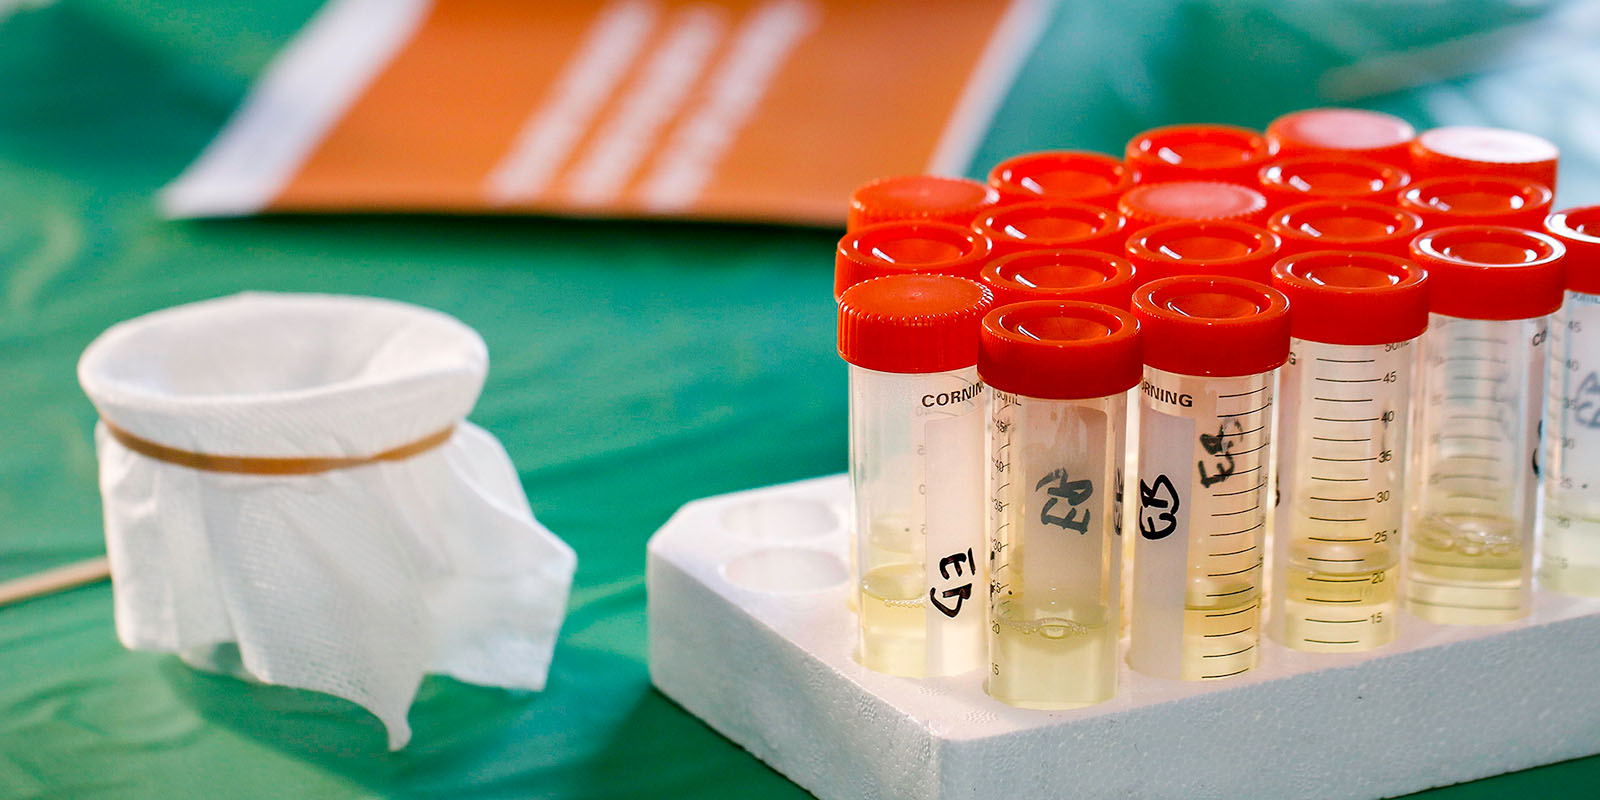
<point x="650" y="102"/>
<point x="1010" y="44"/>
<point x="761" y="45"/>
<point x="303" y="95"/>
<point x="545" y="142"/>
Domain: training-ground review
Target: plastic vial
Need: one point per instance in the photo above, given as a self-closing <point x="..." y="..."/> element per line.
<point x="1059" y="374"/>
<point x="1470" y="150"/>
<point x="1288" y="181"/>
<point x="1197" y="153"/>
<point x="1080" y="275"/>
<point x="1078" y="175"/>
<point x="916" y="471"/>
<point x="929" y="198"/>
<point x="1469" y="544"/>
<point x="1344" y="131"/>
<point x="1202" y="248"/>
<point x="1202" y="201"/>
<point x="1211" y="346"/>
<point x="903" y="248"/>
<point x="1345" y="225"/>
<point x="1570" y="548"/>
<point x="1346" y="403"/>
<point x="1478" y="200"/>
<point x="1087" y="275"/>
<point x="1050" y="224"/>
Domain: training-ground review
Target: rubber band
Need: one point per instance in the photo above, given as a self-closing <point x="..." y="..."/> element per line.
<point x="254" y="465"/>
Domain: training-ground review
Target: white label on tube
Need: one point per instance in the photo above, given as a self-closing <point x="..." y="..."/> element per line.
<point x="1533" y="408"/>
<point x="954" y="486"/>
<point x="1064" y="462"/>
<point x="1161" y="562"/>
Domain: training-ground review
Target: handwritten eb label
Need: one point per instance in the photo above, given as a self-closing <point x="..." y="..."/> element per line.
<point x="1062" y="490"/>
<point x="954" y="563"/>
<point x="1221" y="447"/>
<point x="1158" y="508"/>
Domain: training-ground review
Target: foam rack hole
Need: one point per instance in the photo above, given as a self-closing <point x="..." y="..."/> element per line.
<point x="785" y="570"/>
<point x="781" y="519"/>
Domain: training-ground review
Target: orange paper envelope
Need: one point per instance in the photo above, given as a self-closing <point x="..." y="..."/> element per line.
<point x="769" y="110"/>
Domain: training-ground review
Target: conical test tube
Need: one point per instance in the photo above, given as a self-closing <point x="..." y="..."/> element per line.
<point x="1059" y="373"/>
<point x="1211" y="346"/>
<point x="1346" y="404"/>
<point x="916" y="470"/>
<point x="1469" y="546"/>
<point x="1569" y="552"/>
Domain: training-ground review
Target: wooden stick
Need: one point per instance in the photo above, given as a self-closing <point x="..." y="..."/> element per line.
<point x="54" y="580"/>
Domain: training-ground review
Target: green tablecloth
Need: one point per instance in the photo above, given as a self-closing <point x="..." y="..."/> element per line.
<point x="634" y="367"/>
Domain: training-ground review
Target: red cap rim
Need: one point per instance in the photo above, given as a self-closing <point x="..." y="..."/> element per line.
<point x="876" y="201"/>
<point x="1251" y="342"/>
<point x="1372" y="314"/>
<point x="1537" y="197"/>
<point x="912" y="324"/>
<point x="1583" y="248"/>
<point x="1274" y="182"/>
<point x="1151" y="252"/>
<point x="1219" y="200"/>
<point x="1006" y="275"/>
<point x="1008" y="176"/>
<point x="1430" y="140"/>
<point x="1099" y="359"/>
<point x="992" y="225"/>
<point x="1287" y="134"/>
<point x="1141" y="153"/>
<point x="1288" y="221"/>
<point x="1467" y="149"/>
<point x="857" y="258"/>
<point x="1477" y="288"/>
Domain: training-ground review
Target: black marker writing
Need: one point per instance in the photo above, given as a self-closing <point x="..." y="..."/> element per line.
<point x="1074" y="492"/>
<point x="1222" y="447"/>
<point x="1158" y="508"/>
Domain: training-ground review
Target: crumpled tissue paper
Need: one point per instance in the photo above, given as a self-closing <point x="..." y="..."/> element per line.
<point x="293" y="494"/>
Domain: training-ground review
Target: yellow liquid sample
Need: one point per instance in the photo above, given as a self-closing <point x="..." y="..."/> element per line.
<point x="894" y="621"/>
<point x="1570" y="554"/>
<point x="1466" y="570"/>
<point x="1051" y="657"/>
<point x="890" y="542"/>
<point x="1220" y="641"/>
<point x="1338" y="613"/>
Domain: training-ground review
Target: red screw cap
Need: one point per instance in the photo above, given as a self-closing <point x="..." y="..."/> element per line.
<point x="898" y="248"/>
<point x="1344" y="131"/>
<point x="1469" y="150"/>
<point x="912" y="323"/>
<point x="1052" y="224"/>
<point x="1340" y="297"/>
<point x="1478" y="200"/>
<point x="1062" y="175"/>
<point x="1197" y="153"/>
<point x="1491" y="272"/>
<point x="1085" y="275"/>
<point x="1060" y="350"/>
<point x="1345" y="225"/>
<point x="1154" y="203"/>
<point x="1579" y="230"/>
<point x="1332" y="177"/>
<point x="1212" y="326"/>
<point x="1203" y="248"/>
<point x="919" y="197"/>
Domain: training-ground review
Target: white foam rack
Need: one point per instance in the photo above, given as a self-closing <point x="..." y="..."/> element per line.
<point x="749" y="631"/>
